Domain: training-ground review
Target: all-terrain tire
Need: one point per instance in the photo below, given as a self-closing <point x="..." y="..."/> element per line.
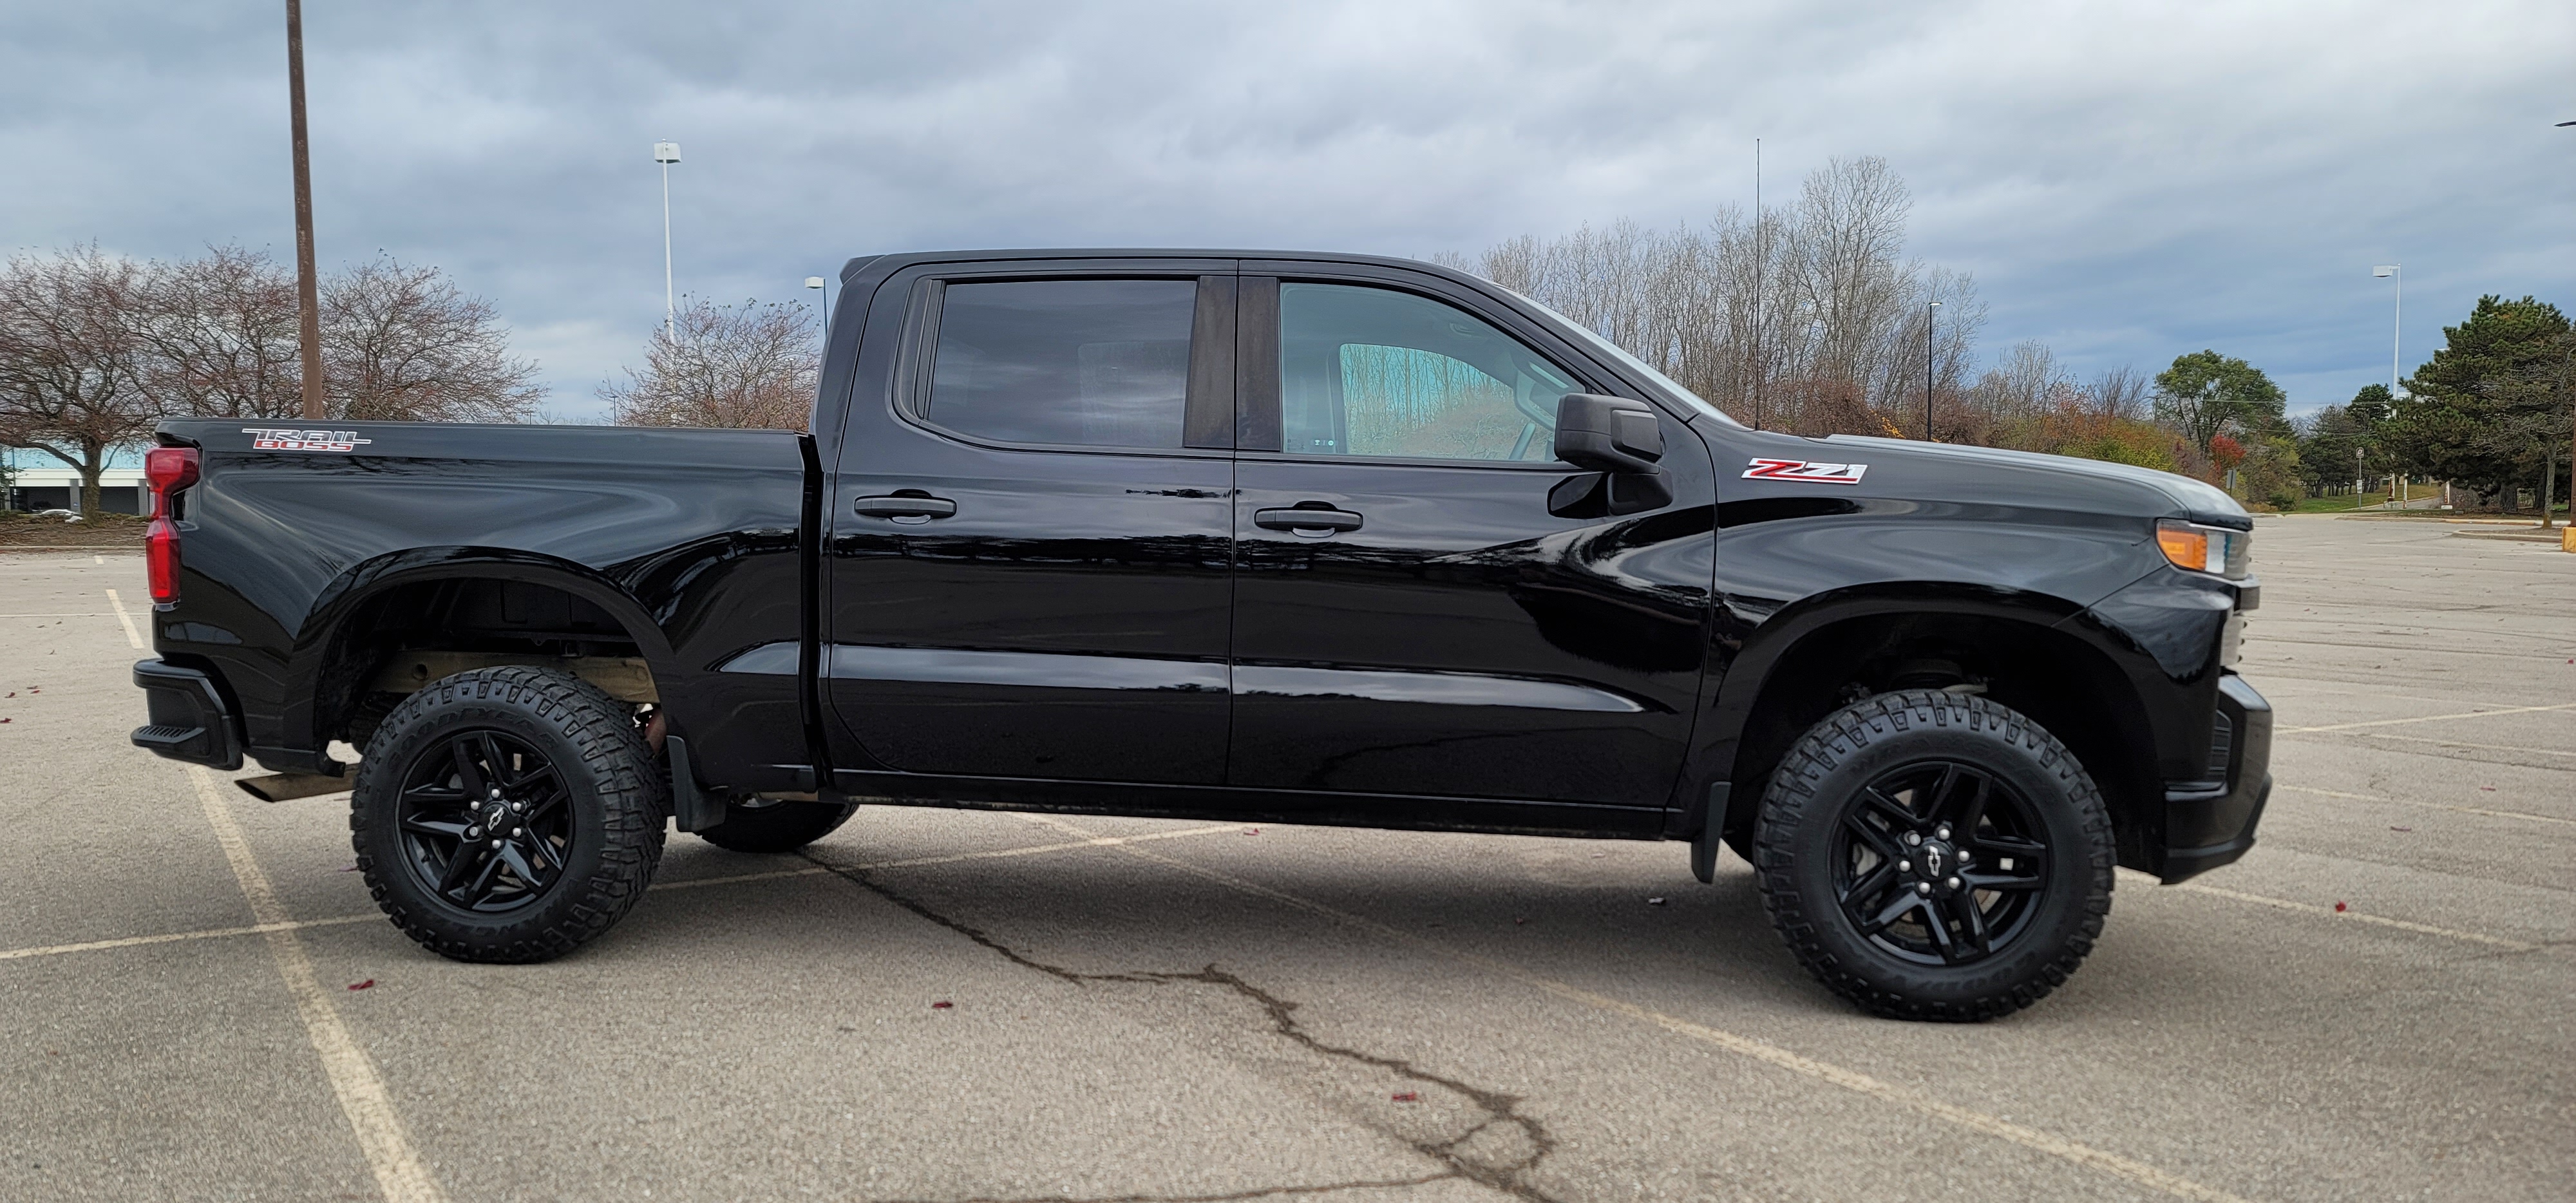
<point x="609" y="785"/>
<point x="1822" y="783"/>
<point x="778" y="827"/>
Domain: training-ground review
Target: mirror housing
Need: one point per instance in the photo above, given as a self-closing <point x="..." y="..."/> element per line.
<point x="1608" y="434"/>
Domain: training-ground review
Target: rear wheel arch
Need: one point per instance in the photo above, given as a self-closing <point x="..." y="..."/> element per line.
<point x="360" y="621"/>
<point x="2013" y="648"/>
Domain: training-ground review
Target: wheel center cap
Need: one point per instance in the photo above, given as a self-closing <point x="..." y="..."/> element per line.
<point x="494" y="815"/>
<point x="1938" y="858"/>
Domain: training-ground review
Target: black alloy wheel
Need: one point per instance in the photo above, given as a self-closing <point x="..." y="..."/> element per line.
<point x="1940" y="862"/>
<point x="484" y="823"/>
<point x="1931" y="855"/>
<point x="508" y="814"/>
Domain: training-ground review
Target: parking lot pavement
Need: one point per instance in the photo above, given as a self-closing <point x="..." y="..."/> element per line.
<point x="2374" y="1004"/>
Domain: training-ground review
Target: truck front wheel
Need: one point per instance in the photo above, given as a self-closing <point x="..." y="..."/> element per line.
<point x="1929" y="855"/>
<point x="507" y="814"/>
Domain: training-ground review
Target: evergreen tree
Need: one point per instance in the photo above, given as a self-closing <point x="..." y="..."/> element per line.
<point x="2481" y="409"/>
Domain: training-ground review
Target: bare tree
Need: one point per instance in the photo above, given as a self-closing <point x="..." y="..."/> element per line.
<point x="403" y="344"/>
<point x="222" y="335"/>
<point x="747" y="365"/>
<point x="1806" y="322"/>
<point x="2122" y="393"/>
<point x="71" y="359"/>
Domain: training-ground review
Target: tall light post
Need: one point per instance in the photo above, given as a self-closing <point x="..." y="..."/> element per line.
<point x="2397" y="324"/>
<point x="1761" y="264"/>
<point x="1927" y="371"/>
<point x="667" y="153"/>
<point x="822" y="299"/>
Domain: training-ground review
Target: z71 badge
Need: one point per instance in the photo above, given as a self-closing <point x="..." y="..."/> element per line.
<point x="1801" y="470"/>
<point x="267" y="439"/>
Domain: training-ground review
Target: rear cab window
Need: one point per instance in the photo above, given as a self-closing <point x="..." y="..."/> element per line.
<point x="1064" y="362"/>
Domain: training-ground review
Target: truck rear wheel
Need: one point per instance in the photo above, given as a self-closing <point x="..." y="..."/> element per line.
<point x="507" y="814"/>
<point x="776" y="826"/>
<point x="1929" y="855"/>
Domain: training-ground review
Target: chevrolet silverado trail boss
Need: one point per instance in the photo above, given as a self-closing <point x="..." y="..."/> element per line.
<point x="1236" y="535"/>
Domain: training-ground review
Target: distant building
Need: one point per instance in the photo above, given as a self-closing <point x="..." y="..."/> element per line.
<point x="49" y="485"/>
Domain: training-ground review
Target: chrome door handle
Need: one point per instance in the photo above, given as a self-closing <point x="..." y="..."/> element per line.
<point x="1302" y="521"/>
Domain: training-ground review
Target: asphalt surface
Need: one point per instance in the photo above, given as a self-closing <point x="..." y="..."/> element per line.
<point x="2376" y="1003"/>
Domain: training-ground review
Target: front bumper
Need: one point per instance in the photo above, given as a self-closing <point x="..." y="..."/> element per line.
<point x="190" y="720"/>
<point x="2210" y="822"/>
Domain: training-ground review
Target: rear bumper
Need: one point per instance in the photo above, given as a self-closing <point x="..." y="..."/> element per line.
<point x="2211" y="823"/>
<point x="189" y="718"/>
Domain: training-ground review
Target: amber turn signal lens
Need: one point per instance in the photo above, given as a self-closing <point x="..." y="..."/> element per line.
<point x="2187" y="548"/>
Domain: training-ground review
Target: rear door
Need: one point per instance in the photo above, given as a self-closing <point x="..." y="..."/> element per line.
<point x="1410" y="619"/>
<point x="1030" y="558"/>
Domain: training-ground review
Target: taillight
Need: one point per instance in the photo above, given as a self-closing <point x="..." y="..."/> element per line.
<point x="169" y="469"/>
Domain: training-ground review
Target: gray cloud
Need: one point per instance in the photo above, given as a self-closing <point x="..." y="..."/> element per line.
<point x="2126" y="182"/>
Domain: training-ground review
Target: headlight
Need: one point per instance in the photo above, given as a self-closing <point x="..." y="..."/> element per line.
<point x="2211" y="549"/>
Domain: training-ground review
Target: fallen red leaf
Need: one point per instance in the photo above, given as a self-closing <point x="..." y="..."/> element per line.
<point x="2488" y="788"/>
<point x="1407" y="1096"/>
<point x="942" y="1005"/>
<point x="2339" y="907"/>
<point x="368" y="984"/>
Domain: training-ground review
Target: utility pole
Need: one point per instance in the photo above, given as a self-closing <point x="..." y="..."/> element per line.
<point x="2356" y="478"/>
<point x="307" y="289"/>
<point x="1761" y="264"/>
<point x="1927" y="371"/>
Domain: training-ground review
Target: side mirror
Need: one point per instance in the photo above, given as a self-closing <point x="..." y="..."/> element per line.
<point x="1608" y="434"/>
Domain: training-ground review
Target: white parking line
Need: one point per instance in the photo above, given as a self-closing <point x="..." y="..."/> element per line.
<point x="2461" y="743"/>
<point x="212" y="933"/>
<point x="2424" y="718"/>
<point x="2137" y="1172"/>
<point x="2310" y="908"/>
<point x="400" y="1173"/>
<point x="132" y="636"/>
<point x="2466" y="810"/>
<point x="217" y="933"/>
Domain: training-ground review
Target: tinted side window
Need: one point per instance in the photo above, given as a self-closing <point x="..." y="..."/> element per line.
<point x="1091" y="362"/>
<point x="1370" y="371"/>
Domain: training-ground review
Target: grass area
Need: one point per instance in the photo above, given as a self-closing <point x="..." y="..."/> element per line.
<point x="2351" y="501"/>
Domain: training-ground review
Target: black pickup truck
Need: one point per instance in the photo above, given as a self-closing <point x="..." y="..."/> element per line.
<point x="1237" y="535"/>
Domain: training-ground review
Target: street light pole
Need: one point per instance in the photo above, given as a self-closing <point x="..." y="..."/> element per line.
<point x="307" y="288"/>
<point x="823" y="296"/>
<point x="667" y="153"/>
<point x="1761" y="264"/>
<point x="1927" y="371"/>
<point x="2397" y="324"/>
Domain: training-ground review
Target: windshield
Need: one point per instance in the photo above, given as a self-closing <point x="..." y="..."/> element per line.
<point x="1595" y="342"/>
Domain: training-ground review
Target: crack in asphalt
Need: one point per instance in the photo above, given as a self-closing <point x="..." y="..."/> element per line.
<point x="1502" y="1110"/>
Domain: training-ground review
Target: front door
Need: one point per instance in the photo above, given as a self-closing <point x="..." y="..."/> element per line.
<point x="1410" y="619"/>
<point x="1029" y="564"/>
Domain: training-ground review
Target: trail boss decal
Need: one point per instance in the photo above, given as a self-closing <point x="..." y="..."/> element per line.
<point x="266" y="439"/>
<point x="1798" y="469"/>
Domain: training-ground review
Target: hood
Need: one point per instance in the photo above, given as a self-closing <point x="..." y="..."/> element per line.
<point x="1986" y="470"/>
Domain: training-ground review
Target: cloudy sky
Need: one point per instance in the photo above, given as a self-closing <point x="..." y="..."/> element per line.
<point x="2126" y="181"/>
